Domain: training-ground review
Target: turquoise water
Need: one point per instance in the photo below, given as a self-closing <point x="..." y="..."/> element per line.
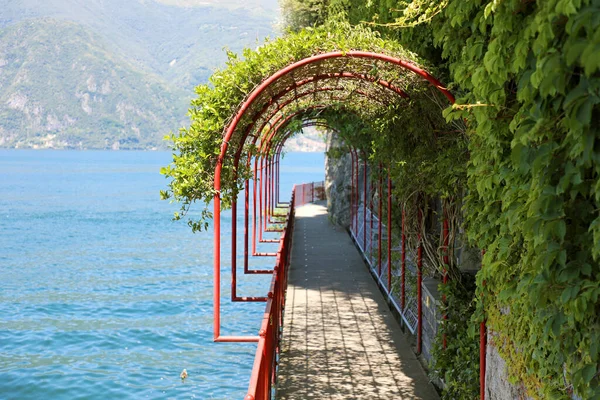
<point x="102" y="295"/>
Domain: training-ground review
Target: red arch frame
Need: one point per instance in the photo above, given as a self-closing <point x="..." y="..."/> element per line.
<point x="230" y="131"/>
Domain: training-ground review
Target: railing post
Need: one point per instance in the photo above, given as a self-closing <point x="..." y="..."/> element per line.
<point x="272" y="196"/>
<point x="482" y="360"/>
<point x="254" y="184"/>
<point x="446" y="258"/>
<point x="267" y="191"/>
<point x="278" y="176"/>
<point x="356" y="195"/>
<point x="365" y="206"/>
<point x="352" y="228"/>
<point x="379" y="246"/>
<point x="261" y="204"/>
<point x="246" y="230"/>
<point x="371" y="208"/>
<point x="419" y="288"/>
<point x="389" y="232"/>
<point x="482" y="350"/>
<point x="403" y="266"/>
<point x="234" y="248"/>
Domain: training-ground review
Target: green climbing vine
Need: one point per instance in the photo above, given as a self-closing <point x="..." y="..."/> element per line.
<point x="196" y="148"/>
<point x="517" y="159"/>
<point x="458" y="364"/>
<point x="531" y="89"/>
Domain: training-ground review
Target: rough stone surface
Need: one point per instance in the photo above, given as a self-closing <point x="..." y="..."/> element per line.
<point x="431" y="316"/>
<point x="497" y="386"/>
<point x="338" y="174"/>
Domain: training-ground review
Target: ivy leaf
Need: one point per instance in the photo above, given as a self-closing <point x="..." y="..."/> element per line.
<point x="575" y="51"/>
<point x="588" y="372"/>
<point x="557" y="322"/>
<point x="591" y="58"/>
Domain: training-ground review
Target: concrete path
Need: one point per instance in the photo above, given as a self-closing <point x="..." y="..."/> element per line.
<point x="340" y="341"/>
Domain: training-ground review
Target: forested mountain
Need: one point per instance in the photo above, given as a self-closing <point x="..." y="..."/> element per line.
<point x="113" y="74"/>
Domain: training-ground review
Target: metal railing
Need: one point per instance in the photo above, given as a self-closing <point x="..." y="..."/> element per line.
<point x="264" y="370"/>
<point x="401" y="293"/>
<point x="403" y="283"/>
<point x="309" y="192"/>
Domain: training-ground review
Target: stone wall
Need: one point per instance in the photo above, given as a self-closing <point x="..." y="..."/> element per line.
<point x="431" y="315"/>
<point x="338" y="178"/>
<point x="497" y="386"/>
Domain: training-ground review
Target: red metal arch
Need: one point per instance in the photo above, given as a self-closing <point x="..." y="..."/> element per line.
<point x="232" y="127"/>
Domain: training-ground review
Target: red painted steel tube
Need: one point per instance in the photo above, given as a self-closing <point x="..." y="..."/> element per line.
<point x="446" y="258"/>
<point x="274" y="127"/>
<point x="327" y="76"/>
<point x="272" y="187"/>
<point x="217" y="272"/>
<point x="482" y="351"/>
<point x="379" y="245"/>
<point x="254" y="225"/>
<point x="233" y="125"/>
<point x="233" y="249"/>
<point x="347" y="75"/>
<point x="254" y="198"/>
<point x="266" y="190"/>
<point x="261" y="198"/>
<point x="261" y="193"/>
<point x="403" y="255"/>
<point x="264" y="368"/>
<point x="236" y="339"/>
<point x="389" y="232"/>
<point x="279" y="176"/>
<point x="246" y="221"/>
<point x="279" y="122"/>
<point x="276" y="181"/>
<point x="482" y="358"/>
<point x="365" y="206"/>
<point x="234" y="296"/>
<point x="268" y="182"/>
<point x="356" y="194"/>
<point x="350" y="75"/>
<point x="371" y="208"/>
<point x="217" y="300"/>
<point x="273" y="184"/>
<point x="419" y="289"/>
<point x="352" y="228"/>
<point x="267" y="122"/>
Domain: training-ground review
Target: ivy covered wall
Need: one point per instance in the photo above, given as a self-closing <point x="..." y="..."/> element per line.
<point x="515" y="162"/>
<point x="527" y="75"/>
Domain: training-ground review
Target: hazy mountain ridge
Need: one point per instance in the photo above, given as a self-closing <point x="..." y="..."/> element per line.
<point x="61" y="88"/>
<point x="108" y="74"/>
<point x="182" y="44"/>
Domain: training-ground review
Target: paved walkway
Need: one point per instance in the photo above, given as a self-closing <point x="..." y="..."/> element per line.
<point x="340" y="340"/>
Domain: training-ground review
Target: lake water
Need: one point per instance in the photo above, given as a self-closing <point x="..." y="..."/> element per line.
<point x="102" y="295"/>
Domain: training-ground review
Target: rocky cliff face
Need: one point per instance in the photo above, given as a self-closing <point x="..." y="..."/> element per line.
<point x="338" y="174"/>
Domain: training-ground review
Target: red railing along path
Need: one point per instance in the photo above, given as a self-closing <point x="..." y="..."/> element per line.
<point x="309" y="192"/>
<point x="264" y="370"/>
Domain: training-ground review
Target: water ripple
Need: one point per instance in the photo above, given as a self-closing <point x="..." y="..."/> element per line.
<point x="101" y="295"/>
